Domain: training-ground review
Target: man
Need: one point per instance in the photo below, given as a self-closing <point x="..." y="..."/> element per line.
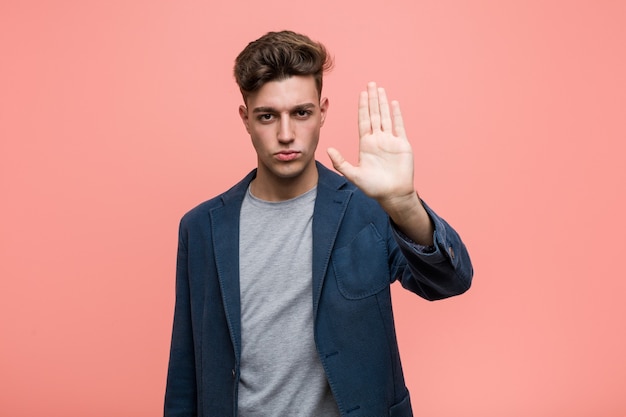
<point x="283" y="304"/>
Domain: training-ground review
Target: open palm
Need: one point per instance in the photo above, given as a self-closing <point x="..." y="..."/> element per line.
<point x="385" y="168"/>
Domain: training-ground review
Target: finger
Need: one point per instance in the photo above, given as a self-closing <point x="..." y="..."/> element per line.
<point x="340" y="164"/>
<point x="385" y="116"/>
<point x="365" y="126"/>
<point x="398" y="122"/>
<point x="374" y="106"/>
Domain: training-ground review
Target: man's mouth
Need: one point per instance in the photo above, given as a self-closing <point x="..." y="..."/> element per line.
<point x="287" y="155"/>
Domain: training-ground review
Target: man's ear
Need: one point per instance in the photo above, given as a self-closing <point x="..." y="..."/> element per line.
<point x="324" y="103"/>
<point x="243" y="113"/>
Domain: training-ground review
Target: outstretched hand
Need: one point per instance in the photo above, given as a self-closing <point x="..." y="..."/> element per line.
<point x="385" y="168"/>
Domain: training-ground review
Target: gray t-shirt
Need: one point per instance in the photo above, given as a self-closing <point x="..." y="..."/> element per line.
<point x="281" y="373"/>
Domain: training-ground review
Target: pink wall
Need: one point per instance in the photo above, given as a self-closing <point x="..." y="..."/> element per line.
<point x="118" y="116"/>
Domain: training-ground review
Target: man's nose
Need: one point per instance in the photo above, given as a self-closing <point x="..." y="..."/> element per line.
<point x="285" y="130"/>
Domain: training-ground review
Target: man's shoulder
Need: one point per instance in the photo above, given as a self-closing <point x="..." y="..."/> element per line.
<point x="204" y="207"/>
<point x="234" y="195"/>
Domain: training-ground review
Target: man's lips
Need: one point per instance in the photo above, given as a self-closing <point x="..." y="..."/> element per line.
<point x="287" y="155"/>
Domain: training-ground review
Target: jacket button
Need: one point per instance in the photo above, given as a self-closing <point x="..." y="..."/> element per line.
<point x="451" y="251"/>
<point x="233" y="372"/>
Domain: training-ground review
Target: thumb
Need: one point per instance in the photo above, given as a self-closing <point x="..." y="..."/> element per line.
<point x="340" y="163"/>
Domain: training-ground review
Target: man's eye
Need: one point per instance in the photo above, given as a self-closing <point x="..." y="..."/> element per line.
<point x="303" y="113"/>
<point x="266" y="117"/>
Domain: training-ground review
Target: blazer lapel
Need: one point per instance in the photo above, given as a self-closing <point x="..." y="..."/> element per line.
<point x="330" y="206"/>
<point x="225" y="226"/>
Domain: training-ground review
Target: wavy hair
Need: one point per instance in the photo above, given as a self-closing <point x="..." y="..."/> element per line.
<point x="279" y="55"/>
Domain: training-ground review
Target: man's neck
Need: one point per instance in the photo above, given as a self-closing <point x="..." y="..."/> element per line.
<point x="270" y="188"/>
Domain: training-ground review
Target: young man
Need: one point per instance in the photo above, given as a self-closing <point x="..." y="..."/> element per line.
<point x="283" y="305"/>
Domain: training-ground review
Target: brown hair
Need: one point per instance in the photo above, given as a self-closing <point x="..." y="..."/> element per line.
<point x="277" y="56"/>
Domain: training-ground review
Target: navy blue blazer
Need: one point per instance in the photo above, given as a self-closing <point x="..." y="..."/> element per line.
<point x="357" y="254"/>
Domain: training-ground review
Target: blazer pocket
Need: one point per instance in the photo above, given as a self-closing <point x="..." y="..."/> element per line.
<point x="361" y="267"/>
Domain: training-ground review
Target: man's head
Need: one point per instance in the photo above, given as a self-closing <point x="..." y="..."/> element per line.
<point x="277" y="56"/>
<point x="280" y="77"/>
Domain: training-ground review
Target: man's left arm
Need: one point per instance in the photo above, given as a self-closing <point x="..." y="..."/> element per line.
<point x="385" y="173"/>
<point x="441" y="270"/>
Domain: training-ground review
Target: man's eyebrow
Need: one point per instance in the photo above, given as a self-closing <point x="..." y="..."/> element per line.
<point x="304" y="106"/>
<point x="265" y="109"/>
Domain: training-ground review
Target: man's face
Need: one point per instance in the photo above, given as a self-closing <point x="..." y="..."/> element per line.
<point x="284" y="119"/>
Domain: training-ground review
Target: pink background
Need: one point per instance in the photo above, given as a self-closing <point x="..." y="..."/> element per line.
<point x="116" y="117"/>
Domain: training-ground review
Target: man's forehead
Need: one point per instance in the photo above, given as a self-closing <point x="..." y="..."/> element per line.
<point x="286" y="93"/>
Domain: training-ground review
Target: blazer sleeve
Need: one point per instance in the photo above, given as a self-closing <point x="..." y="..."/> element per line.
<point x="443" y="272"/>
<point x="181" y="389"/>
